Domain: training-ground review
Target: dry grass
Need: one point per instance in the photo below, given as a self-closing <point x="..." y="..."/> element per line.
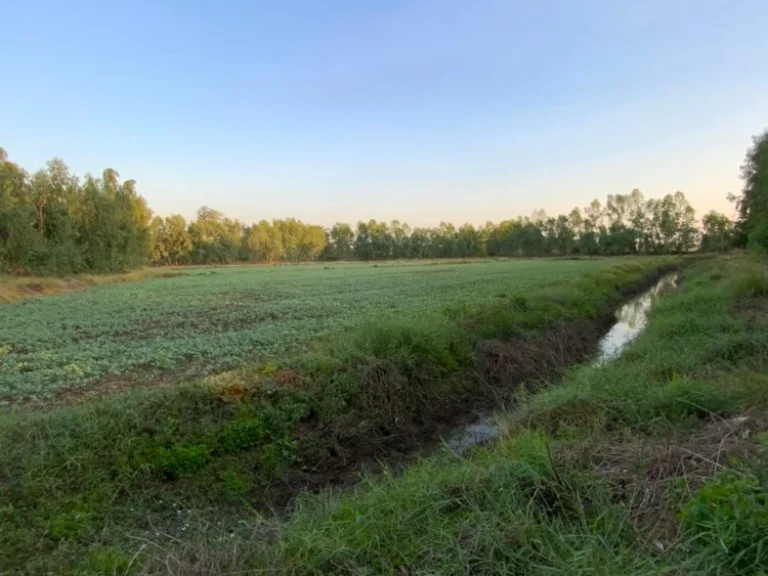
<point x="653" y="477"/>
<point x="15" y="288"/>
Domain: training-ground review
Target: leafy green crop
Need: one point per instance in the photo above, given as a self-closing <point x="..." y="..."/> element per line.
<point x="207" y="321"/>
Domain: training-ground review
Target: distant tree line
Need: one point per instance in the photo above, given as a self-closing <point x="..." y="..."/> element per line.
<point x="214" y="239"/>
<point x="626" y="224"/>
<point x="53" y="222"/>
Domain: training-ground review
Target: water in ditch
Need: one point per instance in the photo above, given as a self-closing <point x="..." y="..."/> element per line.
<point x="631" y="319"/>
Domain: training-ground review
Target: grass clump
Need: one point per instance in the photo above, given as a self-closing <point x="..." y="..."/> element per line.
<point x="751" y="281"/>
<point x="727" y="523"/>
<point x="182" y="460"/>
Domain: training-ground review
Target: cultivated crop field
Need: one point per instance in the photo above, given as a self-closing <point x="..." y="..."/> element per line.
<point x="208" y="320"/>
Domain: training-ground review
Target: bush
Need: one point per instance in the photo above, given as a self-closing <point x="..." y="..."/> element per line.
<point x="758" y="239"/>
<point x="751" y="282"/>
<point x="182" y="460"/>
<point x="241" y="434"/>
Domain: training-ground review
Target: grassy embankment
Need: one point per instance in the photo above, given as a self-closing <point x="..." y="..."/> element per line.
<point x="81" y="486"/>
<point x="655" y="464"/>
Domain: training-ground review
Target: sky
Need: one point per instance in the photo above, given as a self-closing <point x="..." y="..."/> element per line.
<point x="423" y="110"/>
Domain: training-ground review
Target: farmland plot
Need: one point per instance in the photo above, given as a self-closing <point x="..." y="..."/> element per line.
<point x="210" y="320"/>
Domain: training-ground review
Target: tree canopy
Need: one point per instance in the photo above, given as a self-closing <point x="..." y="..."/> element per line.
<point x="53" y="222"/>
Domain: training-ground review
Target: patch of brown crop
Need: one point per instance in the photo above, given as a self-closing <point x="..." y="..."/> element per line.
<point x="105" y="387"/>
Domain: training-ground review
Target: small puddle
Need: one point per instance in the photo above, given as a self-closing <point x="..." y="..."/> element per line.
<point x="631" y="320"/>
<point x="482" y="432"/>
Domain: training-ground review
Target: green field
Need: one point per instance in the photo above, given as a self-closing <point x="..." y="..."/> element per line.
<point x="652" y="464"/>
<point x="403" y="356"/>
<point x="210" y="320"/>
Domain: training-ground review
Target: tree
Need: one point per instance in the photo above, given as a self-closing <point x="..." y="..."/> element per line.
<point x="342" y="239"/>
<point x="172" y="242"/>
<point x="592" y="224"/>
<point x="717" y="232"/>
<point x="311" y="243"/>
<point x="469" y="243"/>
<point x="753" y="204"/>
<point x="400" y="233"/>
<point x="212" y="238"/>
<point x="373" y="241"/>
<point x="262" y="243"/>
<point x="671" y="227"/>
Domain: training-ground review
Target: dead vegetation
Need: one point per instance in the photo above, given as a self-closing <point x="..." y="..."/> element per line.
<point x="652" y="477"/>
<point x="504" y="363"/>
<point x="15" y="288"/>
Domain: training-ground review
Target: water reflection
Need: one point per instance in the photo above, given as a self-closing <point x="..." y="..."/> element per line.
<point x="631" y="319"/>
<point x="474" y="435"/>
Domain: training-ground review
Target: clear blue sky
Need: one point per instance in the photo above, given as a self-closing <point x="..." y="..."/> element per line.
<point x="424" y="111"/>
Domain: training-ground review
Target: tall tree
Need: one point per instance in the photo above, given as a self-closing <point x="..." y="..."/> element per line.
<point x="172" y="243"/>
<point x="753" y="204"/>
<point x="717" y="233"/>
<point x="342" y="239"/>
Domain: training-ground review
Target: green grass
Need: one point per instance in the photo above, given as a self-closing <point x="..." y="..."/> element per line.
<point x="657" y="442"/>
<point x="208" y="320"/>
<point x="698" y="356"/>
<point x="501" y="512"/>
<point x="80" y="486"/>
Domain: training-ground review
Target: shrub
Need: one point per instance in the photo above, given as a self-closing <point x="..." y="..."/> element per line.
<point x="242" y="434"/>
<point x="236" y="484"/>
<point x="182" y="460"/>
<point x="752" y="282"/>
